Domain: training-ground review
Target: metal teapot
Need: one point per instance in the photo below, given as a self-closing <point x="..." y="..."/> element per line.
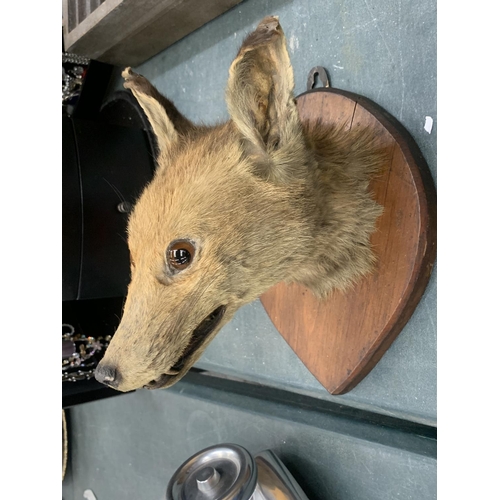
<point x="230" y="472"/>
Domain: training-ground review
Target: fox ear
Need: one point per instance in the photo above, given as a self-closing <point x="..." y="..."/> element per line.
<point x="260" y="91"/>
<point x="165" y="119"/>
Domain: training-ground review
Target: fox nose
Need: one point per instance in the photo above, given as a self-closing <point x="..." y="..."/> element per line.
<point x="107" y="375"/>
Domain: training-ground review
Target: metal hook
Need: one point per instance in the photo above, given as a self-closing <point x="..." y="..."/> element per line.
<point x="322" y="75"/>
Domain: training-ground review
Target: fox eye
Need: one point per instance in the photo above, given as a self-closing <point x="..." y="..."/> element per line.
<point x="180" y="253"/>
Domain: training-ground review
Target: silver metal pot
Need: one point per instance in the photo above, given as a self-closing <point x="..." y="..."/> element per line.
<point x="229" y="472"/>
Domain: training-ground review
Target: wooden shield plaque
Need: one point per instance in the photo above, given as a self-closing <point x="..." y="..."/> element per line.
<point x="341" y="338"/>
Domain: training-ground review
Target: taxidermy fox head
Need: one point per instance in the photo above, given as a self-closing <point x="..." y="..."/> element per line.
<point x="234" y="209"/>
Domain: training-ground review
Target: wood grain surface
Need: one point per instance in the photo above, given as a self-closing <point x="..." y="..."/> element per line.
<point x="340" y="339"/>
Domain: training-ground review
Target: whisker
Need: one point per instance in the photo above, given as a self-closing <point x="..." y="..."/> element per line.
<point x="115" y="189"/>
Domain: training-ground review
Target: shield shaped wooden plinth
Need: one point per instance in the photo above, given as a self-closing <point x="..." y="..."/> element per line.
<point x="341" y="338"/>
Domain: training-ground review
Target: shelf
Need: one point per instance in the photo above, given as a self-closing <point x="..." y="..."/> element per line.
<point x="128" y="32"/>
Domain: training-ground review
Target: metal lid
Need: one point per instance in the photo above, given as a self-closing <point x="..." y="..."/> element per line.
<point x="223" y="472"/>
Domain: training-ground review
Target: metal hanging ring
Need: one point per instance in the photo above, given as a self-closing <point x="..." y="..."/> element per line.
<point x="322" y="75"/>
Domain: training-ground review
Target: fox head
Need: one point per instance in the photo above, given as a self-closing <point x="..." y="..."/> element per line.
<point x="232" y="210"/>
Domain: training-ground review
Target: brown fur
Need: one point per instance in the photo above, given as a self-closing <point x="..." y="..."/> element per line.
<point x="264" y="199"/>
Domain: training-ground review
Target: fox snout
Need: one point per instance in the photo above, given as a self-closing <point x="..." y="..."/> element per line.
<point x="232" y="210"/>
<point x="161" y="336"/>
<point x="156" y="375"/>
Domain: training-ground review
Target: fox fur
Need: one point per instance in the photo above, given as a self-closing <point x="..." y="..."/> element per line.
<point x="262" y="198"/>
